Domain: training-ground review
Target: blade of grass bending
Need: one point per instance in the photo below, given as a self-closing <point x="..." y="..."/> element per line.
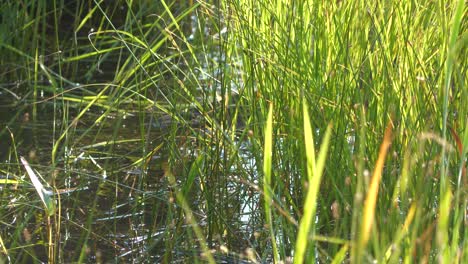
<point x="44" y="194"/>
<point x="267" y="188"/>
<point x="371" y="198"/>
<point x="314" y="172"/>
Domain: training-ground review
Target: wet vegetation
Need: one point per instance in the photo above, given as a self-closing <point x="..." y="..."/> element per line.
<point x="233" y="131"/>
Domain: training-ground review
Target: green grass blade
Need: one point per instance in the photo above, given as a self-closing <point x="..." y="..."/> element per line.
<point x="193" y="173"/>
<point x="314" y="171"/>
<point x="309" y="143"/>
<point x="341" y="255"/>
<point x="9" y="181"/>
<point x="267" y="188"/>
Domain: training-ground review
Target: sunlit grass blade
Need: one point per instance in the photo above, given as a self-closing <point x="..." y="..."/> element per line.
<point x="371" y="197"/>
<point x="267" y="188"/>
<point x="45" y="195"/>
<point x="88" y="16"/>
<point x="2" y="245"/>
<point x="91" y="54"/>
<point x="309" y="143"/>
<point x="9" y="181"/>
<point x="341" y="255"/>
<point x="314" y="172"/>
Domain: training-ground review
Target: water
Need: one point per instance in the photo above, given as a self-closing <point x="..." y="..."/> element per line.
<point x="113" y="206"/>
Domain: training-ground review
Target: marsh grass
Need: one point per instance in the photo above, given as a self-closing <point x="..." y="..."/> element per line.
<point x="253" y="131"/>
<point x="359" y="66"/>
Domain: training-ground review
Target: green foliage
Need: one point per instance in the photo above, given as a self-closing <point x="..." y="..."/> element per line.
<point x="314" y="173"/>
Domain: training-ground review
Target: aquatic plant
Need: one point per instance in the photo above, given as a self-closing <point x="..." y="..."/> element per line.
<point x="233" y="131"/>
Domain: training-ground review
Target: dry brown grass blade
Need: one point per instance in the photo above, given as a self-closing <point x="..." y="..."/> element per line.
<point x="371" y="198"/>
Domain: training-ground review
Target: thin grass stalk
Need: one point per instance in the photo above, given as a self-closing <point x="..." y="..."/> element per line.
<point x="37" y="47"/>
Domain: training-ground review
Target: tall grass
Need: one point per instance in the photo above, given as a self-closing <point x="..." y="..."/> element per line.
<point x="361" y="65"/>
<point x="200" y="131"/>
